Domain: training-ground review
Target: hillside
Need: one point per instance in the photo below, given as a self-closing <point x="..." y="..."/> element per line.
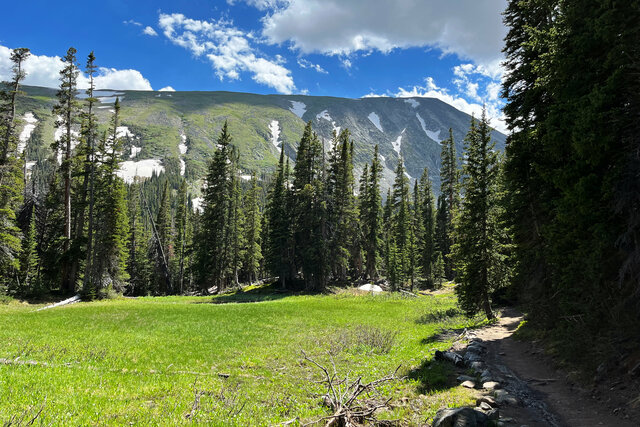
<point x="175" y="132"/>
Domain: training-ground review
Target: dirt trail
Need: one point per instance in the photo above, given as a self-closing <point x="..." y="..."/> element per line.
<point x="546" y="396"/>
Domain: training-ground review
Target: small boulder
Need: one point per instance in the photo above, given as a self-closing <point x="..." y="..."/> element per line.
<point x="504" y="398"/>
<point x="460" y="417"/>
<point x="486" y="399"/>
<point x="463" y="378"/>
<point x="468" y="384"/>
<point x="490" y="385"/>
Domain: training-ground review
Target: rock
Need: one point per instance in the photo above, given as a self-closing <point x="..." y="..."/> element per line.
<point x="460" y="417"/>
<point x="449" y="356"/>
<point x="468" y="384"/>
<point x="504" y="398"/>
<point x="471" y="356"/>
<point x="485" y="406"/>
<point x="490" y="385"/>
<point x="477" y="366"/>
<point x="463" y="378"/>
<point x="486" y="399"/>
<point x="370" y="287"/>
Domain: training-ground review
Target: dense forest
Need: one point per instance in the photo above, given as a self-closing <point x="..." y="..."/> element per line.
<point x="552" y="224"/>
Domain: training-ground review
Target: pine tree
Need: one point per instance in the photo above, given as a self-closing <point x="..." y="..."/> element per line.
<point x="309" y="206"/>
<point x="415" y="237"/>
<point x="477" y="251"/>
<point x="427" y="217"/>
<point x="163" y="244"/>
<point x="66" y="110"/>
<point x="342" y="207"/>
<point x="213" y="256"/>
<point x="10" y="172"/>
<point x="401" y="226"/>
<point x="253" y="231"/>
<point x="449" y="178"/>
<point x="181" y="243"/>
<point x="139" y="262"/>
<point x="373" y="217"/>
<point x="235" y="224"/>
<point x="29" y="260"/>
<point x="279" y="225"/>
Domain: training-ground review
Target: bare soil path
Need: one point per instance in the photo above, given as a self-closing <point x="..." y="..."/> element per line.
<point x="546" y="396"/>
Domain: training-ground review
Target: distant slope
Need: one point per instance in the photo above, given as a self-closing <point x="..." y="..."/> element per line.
<point x="175" y="132"/>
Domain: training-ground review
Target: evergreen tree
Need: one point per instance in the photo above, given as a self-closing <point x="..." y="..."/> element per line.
<point x="66" y="110"/>
<point x="163" y="244"/>
<point x="213" y="257"/>
<point x="29" y="260"/>
<point x="342" y="207"/>
<point x="401" y="226"/>
<point x="10" y="172"/>
<point x="309" y="206"/>
<point x="253" y="231"/>
<point x="373" y="217"/>
<point x="139" y="262"/>
<point x="278" y="224"/>
<point x="427" y="218"/>
<point x="181" y="243"/>
<point x="477" y="251"/>
<point x="449" y="178"/>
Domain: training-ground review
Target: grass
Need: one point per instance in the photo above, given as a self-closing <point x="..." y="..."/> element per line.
<point x="157" y="361"/>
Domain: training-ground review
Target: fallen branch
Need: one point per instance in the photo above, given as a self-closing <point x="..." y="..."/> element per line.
<point x="343" y="397"/>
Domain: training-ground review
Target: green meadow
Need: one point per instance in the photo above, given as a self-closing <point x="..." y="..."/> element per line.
<point x="234" y="359"/>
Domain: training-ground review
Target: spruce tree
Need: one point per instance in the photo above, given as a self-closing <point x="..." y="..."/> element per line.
<point x="181" y="242"/>
<point x="278" y="224"/>
<point x="401" y="228"/>
<point x="253" y="231"/>
<point x="66" y="110"/>
<point x="213" y="257"/>
<point x="10" y="172"/>
<point x="29" y="260"/>
<point x="427" y="217"/>
<point x="373" y="217"/>
<point x="163" y="244"/>
<point x="449" y="178"/>
<point x="477" y="251"/>
<point x="138" y="247"/>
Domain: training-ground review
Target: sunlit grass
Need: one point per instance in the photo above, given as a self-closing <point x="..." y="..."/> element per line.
<point x="143" y="360"/>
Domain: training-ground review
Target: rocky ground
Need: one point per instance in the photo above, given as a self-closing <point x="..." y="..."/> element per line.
<point x="518" y="385"/>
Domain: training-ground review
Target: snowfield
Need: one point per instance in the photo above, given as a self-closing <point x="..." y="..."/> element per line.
<point x="274" y="128"/>
<point x="397" y="144"/>
<point x="431" y="134"/>
<point x="412" y="102"/>
<point x="30" y="125"/>
<point x="298" y="108"/>
<point x="325" y="116"/>
<point x="129" y="169"/>
<point x="375" y="119"/>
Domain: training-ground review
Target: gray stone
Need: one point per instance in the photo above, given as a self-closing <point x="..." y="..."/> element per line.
<point x="485" y="406"/>
<point x="460" y="417"/>
<point x="486" y="399"/>
<point x="468" y="384"/>
<point x="490" y="385"/>
<point x="477" y="366"/>
<point x="471" y="357"/>
<point x="463" y="378"/>
<point x="504" y="398"/>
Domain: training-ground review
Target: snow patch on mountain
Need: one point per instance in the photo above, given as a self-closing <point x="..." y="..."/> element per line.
<point x="375" y="119"/>
<point x="298" y="108"/>
<point x="412" y="102"/>
<point x="435" y="135"/>
<point x="122" y="131"/>
<point x="325" y="115"/>
<point x="397" y="144"/>
<point x="134" y="151"/>
<point x="129" y="169"/>
<point x="274" y="128"/>
<point x="26" y="131"/>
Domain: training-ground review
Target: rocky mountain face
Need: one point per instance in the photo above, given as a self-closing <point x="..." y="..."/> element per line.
<point x="175" y="132"/>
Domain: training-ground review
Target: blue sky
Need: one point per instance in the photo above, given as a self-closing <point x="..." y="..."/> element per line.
<point x="448" y="49"/>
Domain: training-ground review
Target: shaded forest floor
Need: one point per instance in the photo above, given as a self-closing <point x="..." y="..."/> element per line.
<point x="179" y="360"/>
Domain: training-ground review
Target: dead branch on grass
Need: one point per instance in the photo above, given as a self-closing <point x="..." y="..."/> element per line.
<point x="344" y="397"/>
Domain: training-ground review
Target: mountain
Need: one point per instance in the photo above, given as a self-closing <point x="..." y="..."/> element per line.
<point x="175" y="132"/>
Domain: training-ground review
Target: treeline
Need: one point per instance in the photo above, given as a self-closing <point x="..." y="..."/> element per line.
<point x="308" y="226"/>
<point x="572" y="166"/>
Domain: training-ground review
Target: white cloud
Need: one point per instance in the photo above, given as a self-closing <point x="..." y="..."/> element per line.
<point x="261" y="4"/>
<point x="303" y="63"/>
<point x="472" y="30"/>
<point x="149" y="31"/>
<point x="132" y="22"/>
<point x="167" y="89"/>
<point x="44" y="71"/>
<point x="432" y="90"/>
<point x="228" y="50"/>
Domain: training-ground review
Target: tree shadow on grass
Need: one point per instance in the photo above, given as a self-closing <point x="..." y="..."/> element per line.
<point x="433" y="376"/>
<point x="267" y="292"/>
